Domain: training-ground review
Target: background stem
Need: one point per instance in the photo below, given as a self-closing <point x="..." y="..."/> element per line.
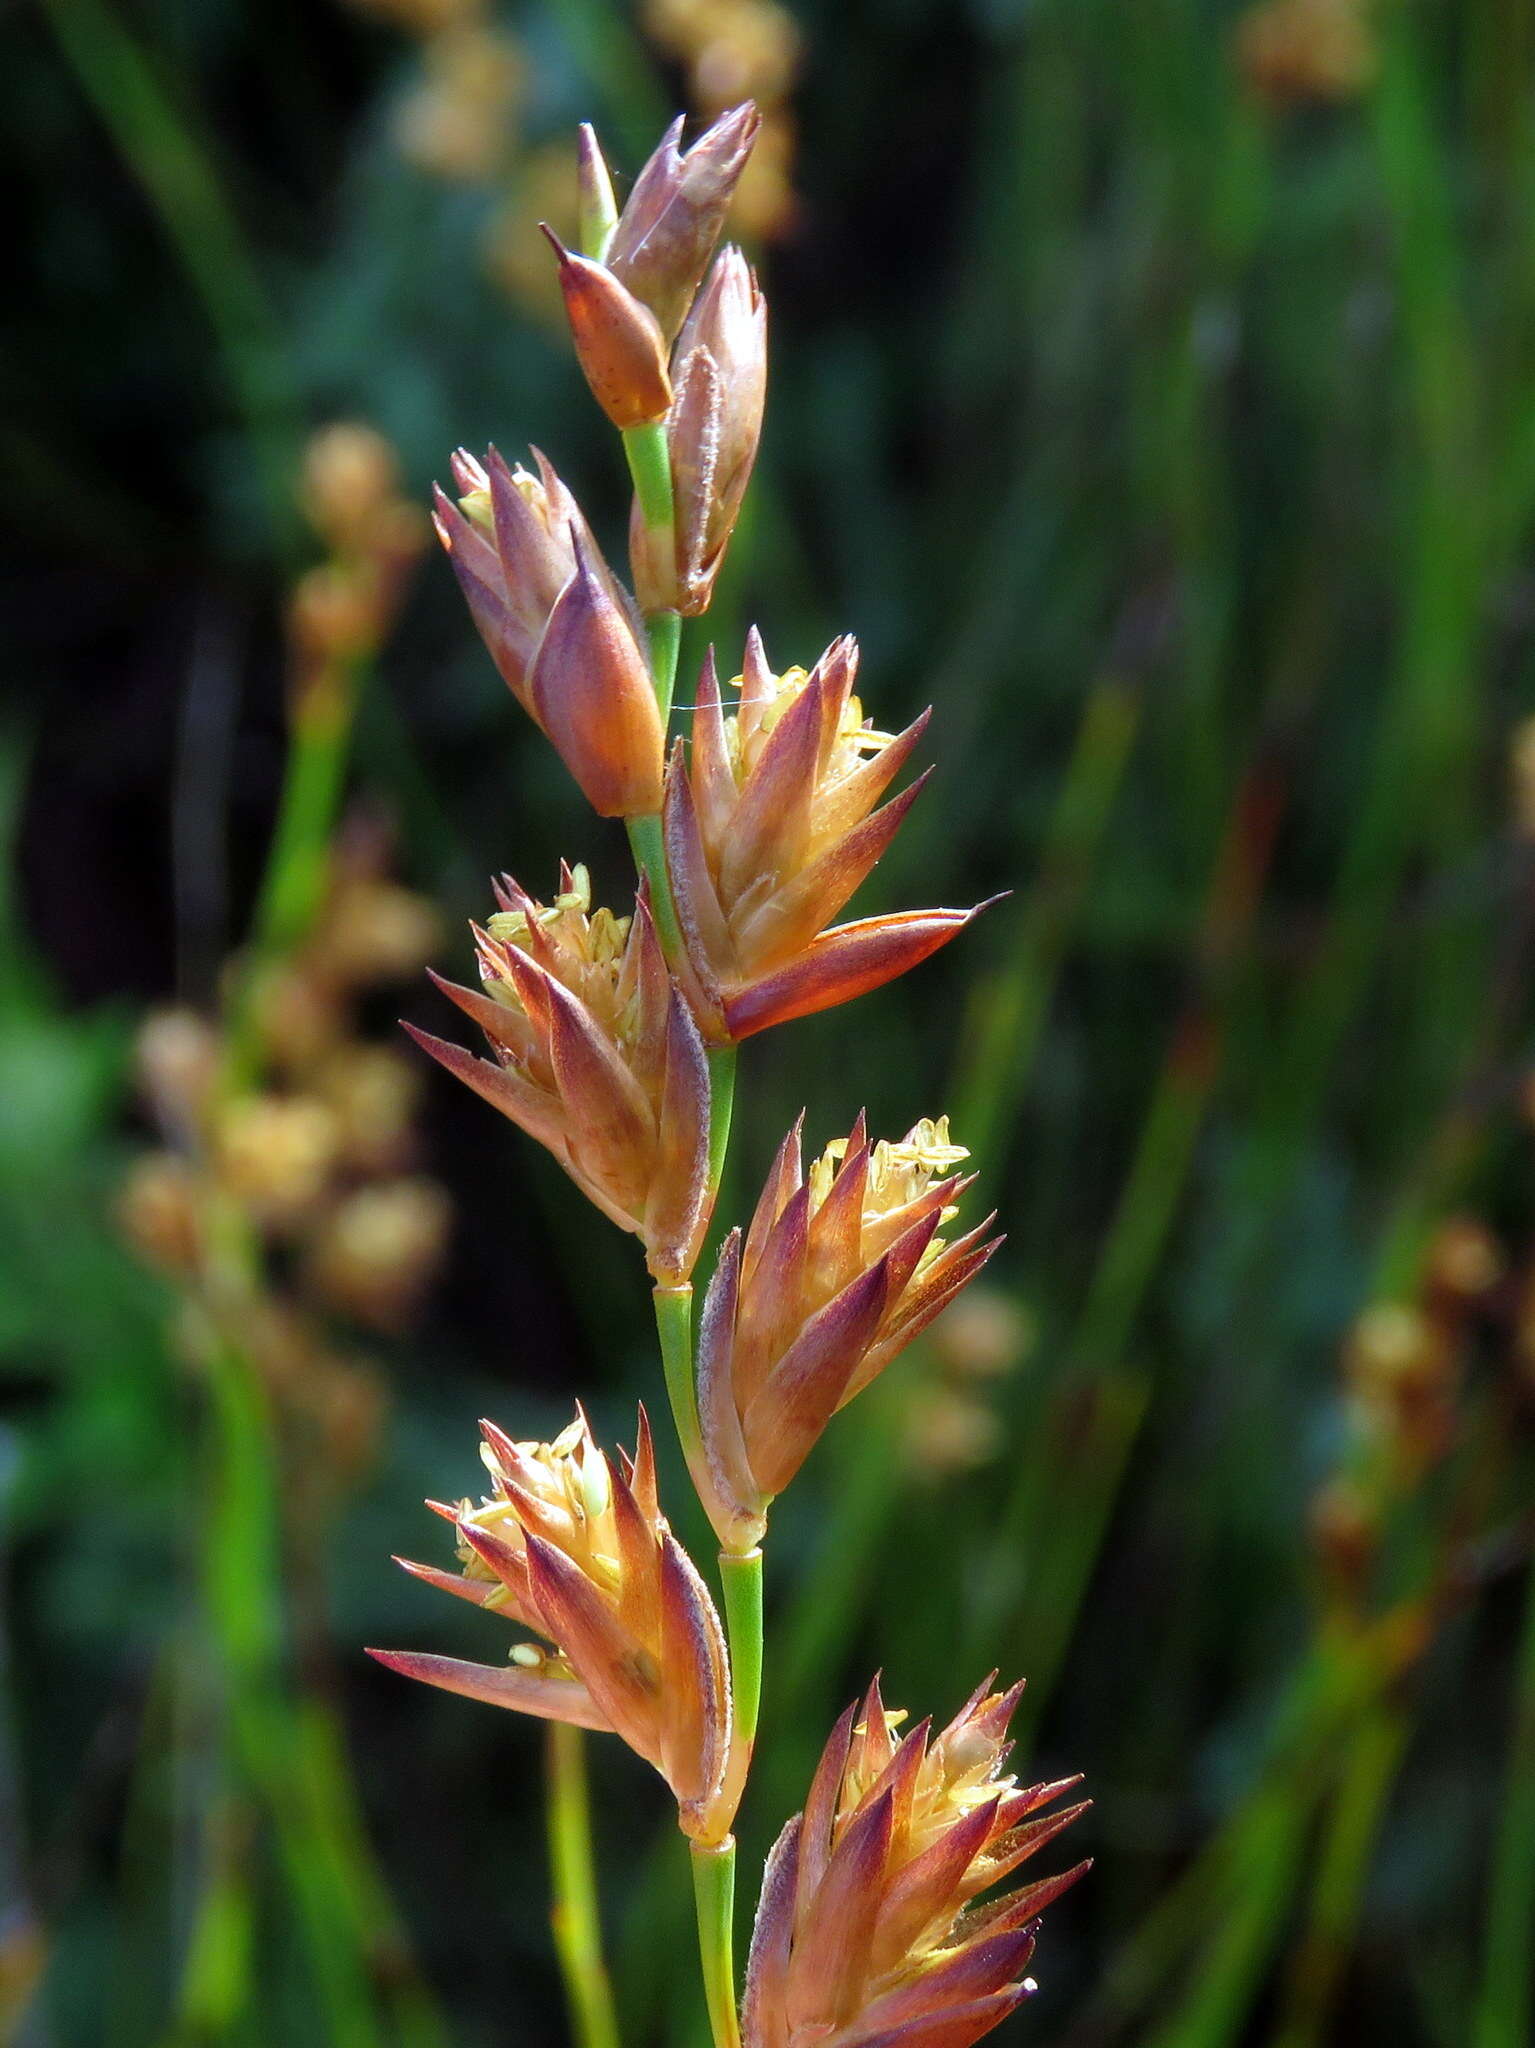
<point x="574" y="1915"/>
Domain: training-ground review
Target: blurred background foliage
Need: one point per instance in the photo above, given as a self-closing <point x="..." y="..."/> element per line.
<point x="1154" y="392"/>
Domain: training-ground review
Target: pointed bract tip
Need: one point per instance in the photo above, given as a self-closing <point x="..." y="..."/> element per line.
<point x="561" y="252"/>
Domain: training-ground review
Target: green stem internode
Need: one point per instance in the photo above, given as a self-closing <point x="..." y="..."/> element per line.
<point x="741" y="1582"/>
<point x="649" y="850"/>
<point x="722" y="1095"/>
<point x="714" y="1891"/>
<point x="650" y="464"/>
<point x="674" y="1327"/>
<point x="665" y="631"/>
<point x="574" y="1914"/>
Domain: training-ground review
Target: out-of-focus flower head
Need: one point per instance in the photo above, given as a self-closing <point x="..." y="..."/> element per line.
<point x="867" y="1931"/>
<point x="177" y="1056"/>
<point x="275" y="1155"/>
<point x="560" y="627"/>
<point x="340" y="611"/>
<point x="1292" y="51"/>
<point x="951" y="1425"/>
<point x="376" y="1252"/>
<point x="460" y="121"/>
<point x="579" y="1552"/>
<point x="719" y="370"/>
<point x="597" y="1057"/>
<point x="1402" y="1370"/>
<point x="162" y="1212"/>
<point x="838" y="1272"/>
<point x="423" y="17"/>
<point x="770" y="829"/>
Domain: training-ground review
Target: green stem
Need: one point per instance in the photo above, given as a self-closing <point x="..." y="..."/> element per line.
<point x="1505" y="2010"/>
<point x="297" y="868"/>
<point x="674" y="1327"/>
<point x="649" y="850"/>
<point x="741" y="1583"/>
<point x="650" y="464"/>
<point x="665" y="630"/>
<point x="714" y="1890"/>
<point x="242" y="1553"/>
<point x="722" y="1095"/>
<point x="574" y="1914"/>
<point x="1372" y="1760"/>
<point x="1006" y="1015"/>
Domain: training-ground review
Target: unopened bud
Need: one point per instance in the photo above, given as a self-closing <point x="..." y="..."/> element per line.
<point x="712" y="435"/>
<point x="618" y="344"/>
<point x="592" y="693"/>
<point x="598" y="209"/>
<point x="667" y="230"/>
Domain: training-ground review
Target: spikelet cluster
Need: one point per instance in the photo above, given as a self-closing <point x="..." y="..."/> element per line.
<point x="605" y="1034"/>
<point x="771" y="826"/>
<point x="597" y="1057"/>
<point x="576" y="1549"/>
<point x="838" y="1272"/>
<point x="868" y="1934"/>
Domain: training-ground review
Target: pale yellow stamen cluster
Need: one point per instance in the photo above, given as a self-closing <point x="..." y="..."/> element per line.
<point x="572" y="1479"/>
<point x="900" y="1170"/>
<point x="959" y="1773"/>
<point x="477" y="504"/>
<point x="591" y="945"/>
<point x="747" y="733"/>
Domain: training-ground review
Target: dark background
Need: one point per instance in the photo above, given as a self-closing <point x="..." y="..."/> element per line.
<point x="1152" y="392"/>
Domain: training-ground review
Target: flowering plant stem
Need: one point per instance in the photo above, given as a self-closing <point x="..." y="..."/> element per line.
<point x="714" y="1891"/>
<point x="574" y="1916"/>
<point x="722" y="1095"/>
<point x="674" y="1327"/>
<point x="645" y="843"/>
<point x="741" y="1580"/>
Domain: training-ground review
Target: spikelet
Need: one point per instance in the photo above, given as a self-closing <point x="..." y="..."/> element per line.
<point x="769" y="831"/>
<point x="560" y="627"/>
<point x="867" y="1934"/>
<point x="597" y="1058"/>
<point x="838" y="1272"/>
<point x="576" y="1550"/>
